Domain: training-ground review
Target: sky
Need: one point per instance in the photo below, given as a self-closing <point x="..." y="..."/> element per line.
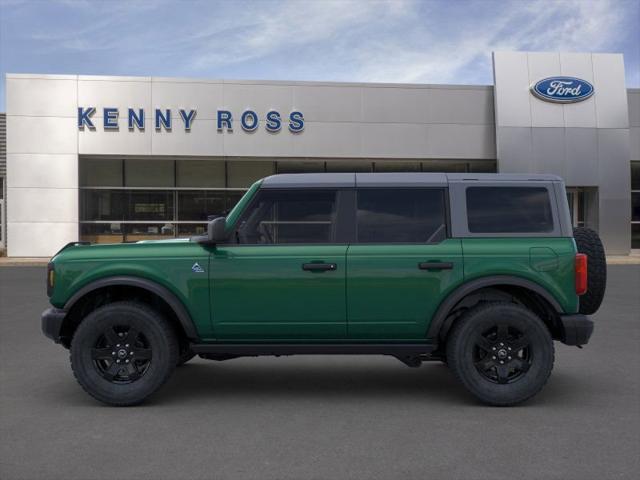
<point x="403" y="41"/>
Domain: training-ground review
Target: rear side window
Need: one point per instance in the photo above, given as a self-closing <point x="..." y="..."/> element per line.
<point x="509" y="210"/>
<point x="289" y="216"/>
<point x="389" y="215"/>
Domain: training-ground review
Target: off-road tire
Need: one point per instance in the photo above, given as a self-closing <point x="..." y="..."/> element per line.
<point x="589" y="243"/>
<point x="463" y="351"/>
<point x="154" y="340"/>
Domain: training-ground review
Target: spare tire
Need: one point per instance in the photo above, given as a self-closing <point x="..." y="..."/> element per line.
<point x="588" y="242"/>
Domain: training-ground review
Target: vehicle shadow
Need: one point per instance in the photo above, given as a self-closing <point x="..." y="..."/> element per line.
<point x="307" y="379"/>
<point x="312" y="379"/>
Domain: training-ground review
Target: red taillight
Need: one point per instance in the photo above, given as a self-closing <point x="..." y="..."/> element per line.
<point x="581" y="273"/>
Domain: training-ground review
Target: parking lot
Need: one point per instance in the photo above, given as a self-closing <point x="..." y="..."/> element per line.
<point x="319" y="417"/>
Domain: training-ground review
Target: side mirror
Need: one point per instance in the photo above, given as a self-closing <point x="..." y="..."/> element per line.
<point x="216" y="230"/>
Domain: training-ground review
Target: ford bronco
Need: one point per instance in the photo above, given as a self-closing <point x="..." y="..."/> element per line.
<point x="482" y="272"/>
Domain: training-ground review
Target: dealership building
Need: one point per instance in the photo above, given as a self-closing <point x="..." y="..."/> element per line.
<point x="116" y="159"/>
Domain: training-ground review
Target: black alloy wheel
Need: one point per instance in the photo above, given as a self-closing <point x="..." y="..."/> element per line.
<point x="501" y="352"/>
<point x="122" y="354"/>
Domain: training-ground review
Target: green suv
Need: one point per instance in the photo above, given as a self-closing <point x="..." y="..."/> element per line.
<point x="482" y="272"/>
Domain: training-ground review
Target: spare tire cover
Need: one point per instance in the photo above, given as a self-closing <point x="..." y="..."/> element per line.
<point x="588" y="242"/>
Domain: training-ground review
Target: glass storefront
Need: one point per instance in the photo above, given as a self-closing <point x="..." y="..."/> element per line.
<point x="635" y="205"/>
<point x="583" y="206"/>
<point x="2" y="215"/>
<point x="575" y="197"/>
<point x="126" y="200"/>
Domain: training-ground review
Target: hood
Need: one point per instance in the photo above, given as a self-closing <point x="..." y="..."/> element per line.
<point x="86" y="250"/>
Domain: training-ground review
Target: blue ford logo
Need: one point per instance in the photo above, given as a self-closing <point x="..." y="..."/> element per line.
<point x="562" y="89"/>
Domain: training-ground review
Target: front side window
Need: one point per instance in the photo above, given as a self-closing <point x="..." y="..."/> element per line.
<point x="389" y="215"/>
<point x="509" y="210"/>
<point x="289" y="216"/>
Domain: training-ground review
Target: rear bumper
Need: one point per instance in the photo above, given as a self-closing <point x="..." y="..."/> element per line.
<point x="576" y="329"/>
<point x="52" y="319"/>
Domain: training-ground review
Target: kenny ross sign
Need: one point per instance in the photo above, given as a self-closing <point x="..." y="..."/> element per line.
<point x="162" y="119"/>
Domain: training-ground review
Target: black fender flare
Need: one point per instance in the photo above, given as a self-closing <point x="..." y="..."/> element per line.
<point x="440" y="326"/>
<point x="174" y="302"/>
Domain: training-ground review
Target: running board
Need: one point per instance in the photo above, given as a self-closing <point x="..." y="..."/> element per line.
<point x="404" y="350"/>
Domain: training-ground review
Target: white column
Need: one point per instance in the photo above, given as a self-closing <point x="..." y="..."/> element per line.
<point x="42" y="164"/>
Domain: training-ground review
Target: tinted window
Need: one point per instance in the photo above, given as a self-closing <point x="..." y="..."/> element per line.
<point x="389" y="215"/>
<point x="289" y="216"/>
<point x="509" y="210"/>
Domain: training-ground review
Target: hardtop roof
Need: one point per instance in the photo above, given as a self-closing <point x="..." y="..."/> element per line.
<point x="399" y="179"/>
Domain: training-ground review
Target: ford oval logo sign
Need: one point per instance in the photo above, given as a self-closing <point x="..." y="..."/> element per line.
<point x="562" y="89"/>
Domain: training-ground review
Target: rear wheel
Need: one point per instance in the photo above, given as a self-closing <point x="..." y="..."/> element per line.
<point x="501" y="352"/>
<point x="123" y="352"/>
<point x="589" y="243"/>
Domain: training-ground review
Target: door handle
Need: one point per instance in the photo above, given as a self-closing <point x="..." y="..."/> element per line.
<point x="435" y="265"/>
<point x="319" y="267"/>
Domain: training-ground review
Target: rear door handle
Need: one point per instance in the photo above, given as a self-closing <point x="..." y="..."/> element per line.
<point x="319" y="267"/>
<point x="435" y="265"/>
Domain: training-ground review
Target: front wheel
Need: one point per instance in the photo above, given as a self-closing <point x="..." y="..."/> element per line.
<point x="501" y="352"/>
<point x="123" y="352"/>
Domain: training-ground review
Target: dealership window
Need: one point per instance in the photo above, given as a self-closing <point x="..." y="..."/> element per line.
<point x="136" y="199"/>
<point x="2" y="214"/>
<point x="241" y="174"/>
<point x="299" y="167"/>
<point x="583" y="206"/>
<point x="482" y="166"/>
<point x="101" y="172"/>
<point x="399" y="165"/>
<point x="577" y="206"/>
<point x="195" y="205"/>
<point x="635" y="205"/>
<point x="445" y="166"/>
<point x="393" y="166"/>
<point x="149" y="173"/>
<point x="201" y="174"/>
<point x="339" y="166"/>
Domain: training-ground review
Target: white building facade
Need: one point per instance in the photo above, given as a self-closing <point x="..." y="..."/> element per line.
<point x="112" y="159"/>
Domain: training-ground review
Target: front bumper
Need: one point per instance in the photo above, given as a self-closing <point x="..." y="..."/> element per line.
<point x="576" y="329"/>
<point x="52" y="319"/>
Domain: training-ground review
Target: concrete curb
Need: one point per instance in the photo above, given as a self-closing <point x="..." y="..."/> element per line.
<point x="623" y="260"/>
<point x="23" y="262"/>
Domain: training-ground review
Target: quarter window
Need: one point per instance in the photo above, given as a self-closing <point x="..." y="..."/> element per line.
<point x="389" y="215"/>
<point x="509" y="210"/>
<point x="290" y="216"/>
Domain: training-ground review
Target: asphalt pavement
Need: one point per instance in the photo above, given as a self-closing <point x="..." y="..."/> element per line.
<point x="319" y="417"/>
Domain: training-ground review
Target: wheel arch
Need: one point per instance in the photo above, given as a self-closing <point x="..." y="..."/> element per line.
<point x="443" y="319"/>
<point x="170" y="303"/>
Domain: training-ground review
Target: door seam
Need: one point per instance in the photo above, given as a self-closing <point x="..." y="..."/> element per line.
<point x="346" y="297"/>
